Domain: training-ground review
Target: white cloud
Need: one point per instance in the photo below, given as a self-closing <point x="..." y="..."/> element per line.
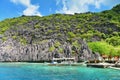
<point x="30" y="10"/>
<point x="57" y="2"/>
<point x="78" y="6"/>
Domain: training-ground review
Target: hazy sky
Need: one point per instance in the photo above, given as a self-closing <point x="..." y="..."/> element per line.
<point x="14" y="8"/>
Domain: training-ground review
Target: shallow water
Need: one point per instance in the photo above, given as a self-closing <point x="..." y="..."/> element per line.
<point x="36" y="71"/>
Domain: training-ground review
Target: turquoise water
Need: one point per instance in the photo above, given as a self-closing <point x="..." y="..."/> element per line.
<point x="35" y="71"/>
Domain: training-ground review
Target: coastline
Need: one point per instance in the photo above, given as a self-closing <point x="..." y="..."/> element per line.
<point x="94" y="65"/>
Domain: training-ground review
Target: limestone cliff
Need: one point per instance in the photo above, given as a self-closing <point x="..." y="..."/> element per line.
<point x="11" y="50"/>
<point x="34" y="38"/>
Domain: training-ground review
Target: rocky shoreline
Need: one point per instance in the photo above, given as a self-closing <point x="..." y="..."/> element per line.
<point x="39" y="39"/>
<point x="13" y="51"/>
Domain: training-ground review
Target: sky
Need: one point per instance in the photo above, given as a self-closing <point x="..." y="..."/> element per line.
<point x="15" y="8"/>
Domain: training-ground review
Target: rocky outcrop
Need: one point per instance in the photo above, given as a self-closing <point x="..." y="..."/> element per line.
<point x="87" y="54"/>
<point x="11" y="50"/>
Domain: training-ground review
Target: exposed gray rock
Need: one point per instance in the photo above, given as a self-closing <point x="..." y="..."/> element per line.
<point x="87" y="54"/>
<point x="11" y="50"/>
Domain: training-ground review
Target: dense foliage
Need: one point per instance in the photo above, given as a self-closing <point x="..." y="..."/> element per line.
<point x="104" y="48"/>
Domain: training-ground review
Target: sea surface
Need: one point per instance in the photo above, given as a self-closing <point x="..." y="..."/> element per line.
<point x="38" y="71"/>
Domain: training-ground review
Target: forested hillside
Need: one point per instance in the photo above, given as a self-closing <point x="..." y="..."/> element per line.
<point x="101" y="31"/>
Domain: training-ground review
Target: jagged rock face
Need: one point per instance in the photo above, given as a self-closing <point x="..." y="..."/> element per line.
<point x="11" y="50"/>
<point x="87" y="54"/>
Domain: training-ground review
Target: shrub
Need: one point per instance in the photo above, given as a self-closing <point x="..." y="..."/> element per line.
<point x="4" y="38"/>
<point x="60" y="50"/>
<point x="57" y="44"/>
<point x="101" y="47"/>
<point x="76" y="44"/>
<point x="51" y="49"/>
<point x="71" y="35"/>
<point x="23" y="41"/>
<point x="115" y="41"/>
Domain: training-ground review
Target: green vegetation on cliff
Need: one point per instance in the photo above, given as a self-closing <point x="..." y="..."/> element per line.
<point x="104" y="48"/>
<point x="101" y="30"/>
